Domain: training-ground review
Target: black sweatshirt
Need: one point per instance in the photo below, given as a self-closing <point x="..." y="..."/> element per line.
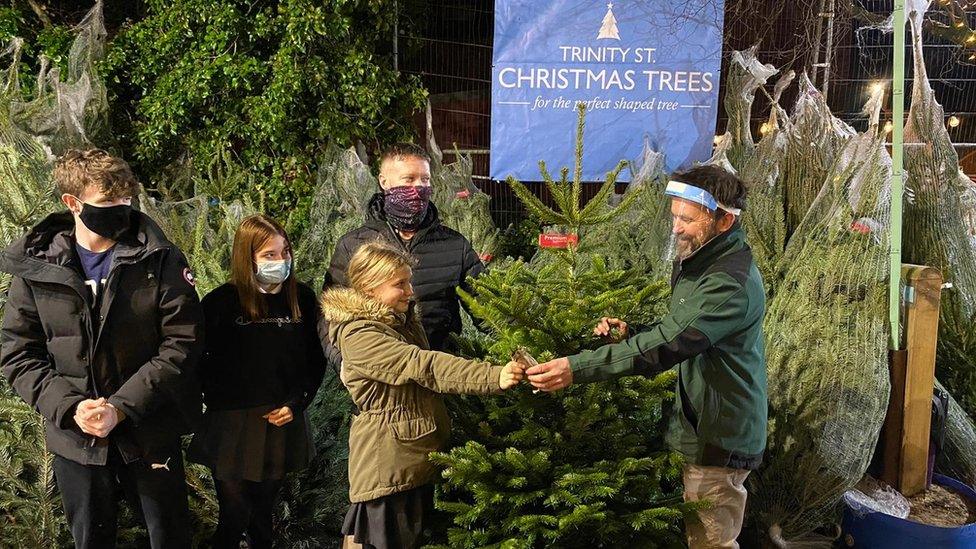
<point x="270" y="361"/>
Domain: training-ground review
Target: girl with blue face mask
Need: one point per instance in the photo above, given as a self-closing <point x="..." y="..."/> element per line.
<point x="262" y="365"/>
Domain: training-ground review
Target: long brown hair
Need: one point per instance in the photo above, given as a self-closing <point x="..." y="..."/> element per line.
<point x="254" y="232"/>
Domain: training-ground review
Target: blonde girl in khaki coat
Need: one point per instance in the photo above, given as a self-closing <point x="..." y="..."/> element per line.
<point x="396" y="383"/>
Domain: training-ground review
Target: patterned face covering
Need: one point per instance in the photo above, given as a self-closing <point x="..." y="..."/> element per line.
<point x="406" y="206"/>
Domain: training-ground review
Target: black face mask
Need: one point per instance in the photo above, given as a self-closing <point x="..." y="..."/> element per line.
<point x="110" y="222"/>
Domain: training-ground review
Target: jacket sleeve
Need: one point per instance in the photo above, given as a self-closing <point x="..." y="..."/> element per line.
<point x="313" y="370"/>
<point x="25" y="362"/>
<point x="170" y="375"/>
<point x="717" y="308"/>
<point x="375" y="354"/>
<point x="214" y="343"/>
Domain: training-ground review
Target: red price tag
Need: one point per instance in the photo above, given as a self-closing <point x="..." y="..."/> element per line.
<point x="486" y="258"/>
<point x="463" y="194"/>
<point x="557" y="241"/>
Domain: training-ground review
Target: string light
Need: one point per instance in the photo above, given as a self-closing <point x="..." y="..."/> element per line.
<point x="954" y="121"/>
<point x="877" y="88"/>
<point x="888" y="126"/>
<point x="765" y="128"/>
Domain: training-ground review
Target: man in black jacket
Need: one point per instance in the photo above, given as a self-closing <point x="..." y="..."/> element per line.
<point x="100" y="335"/>
<point x="403" y="215"/>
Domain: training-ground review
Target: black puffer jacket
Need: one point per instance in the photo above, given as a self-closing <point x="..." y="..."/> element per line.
<point x="445" y="259"/>
<point x="140" y="353"/>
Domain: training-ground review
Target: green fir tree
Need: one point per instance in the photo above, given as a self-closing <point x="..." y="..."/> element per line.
<point x="584" y="467"/>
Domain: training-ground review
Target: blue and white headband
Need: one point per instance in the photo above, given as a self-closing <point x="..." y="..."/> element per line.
<point x="699" y="196"/>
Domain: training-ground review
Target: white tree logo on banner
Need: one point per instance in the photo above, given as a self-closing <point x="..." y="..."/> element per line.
<point x="609" y="27"/>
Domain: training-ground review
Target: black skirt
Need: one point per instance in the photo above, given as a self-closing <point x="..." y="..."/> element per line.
<point x="391" y="522"/>
<point x="242" y="445"/>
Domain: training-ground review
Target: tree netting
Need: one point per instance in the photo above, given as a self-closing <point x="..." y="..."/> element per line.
<point x="30" y="514"/>
<point x="827" y="345"/>
<point x="70" y="110"/>
<point x="203" y="228"/>
<point x="764" y="218"/>
<point x="462" y="205"/>
<point x="640" y="237"/>
<point x="936" y="227"/>
<point x="746" y="75"/>
<point x="344" y="186"/>
<point x="26" y="188"/>
<point x="814" y="139"/>
<point x="958" y="456"/>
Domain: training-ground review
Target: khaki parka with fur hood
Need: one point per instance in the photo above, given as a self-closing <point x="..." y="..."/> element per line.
<point x="396" y="383"/>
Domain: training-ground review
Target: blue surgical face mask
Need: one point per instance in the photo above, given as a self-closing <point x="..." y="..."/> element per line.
<point x="273" y="272"/>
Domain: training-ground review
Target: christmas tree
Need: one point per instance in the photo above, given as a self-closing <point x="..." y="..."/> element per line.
<point x="461" y="204"/>
<point x="828" y="399"/>
<point x="585" y="467"/>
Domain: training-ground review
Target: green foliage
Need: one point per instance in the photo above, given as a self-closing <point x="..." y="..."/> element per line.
<point x="805" y="167"/>
<point x="203" y="228"/>
<point x="585" y="467"/>
<point x="30" y="506"/>
<point x="339" y="203"/>
<point x="270" y="81"/>
<point x="764" y="220"/>
<point x="580" y="468"/>
<point x="553" y="308"/>
<point x="746" y="75"/>
<point x="827" y="347"/>
<point x="566" y="194"/>
<point x="463" y="207"/>
<point x="935" y="231"/>
<point x="40" y="40"/>
<point x="639" y="238"/>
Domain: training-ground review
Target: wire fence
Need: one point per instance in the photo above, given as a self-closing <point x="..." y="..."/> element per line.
<point x="449" y="46"/>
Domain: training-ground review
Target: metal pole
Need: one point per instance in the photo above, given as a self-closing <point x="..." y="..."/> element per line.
<point x="897" y="170"/>
<point x="396" y="36"/>
<point x="830" y="49"/>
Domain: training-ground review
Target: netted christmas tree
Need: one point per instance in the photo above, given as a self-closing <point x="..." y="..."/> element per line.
<point x="746" y="75"/>
<point x="764" y="220"/>
<point x="203" y="227"/>
<point x="936" y="230"/>
<point x="461" y="204"/>
<point x="584" y="467"/>
<point x="344" y="187"/>
<point x="639" y="238"/>
<point x="70" y="110"/>
<point x="827" y="346"/>
<point x="814" y="140"/>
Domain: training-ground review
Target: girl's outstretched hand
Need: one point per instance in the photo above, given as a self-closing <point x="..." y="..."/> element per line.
<point x="511" y="375"/>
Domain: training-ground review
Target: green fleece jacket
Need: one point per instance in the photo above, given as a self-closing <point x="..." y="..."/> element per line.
<point x="713" y="333"/>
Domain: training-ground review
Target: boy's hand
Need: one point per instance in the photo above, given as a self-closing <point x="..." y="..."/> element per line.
<point x="512" y="374"/>
<point x="97" y="417"/>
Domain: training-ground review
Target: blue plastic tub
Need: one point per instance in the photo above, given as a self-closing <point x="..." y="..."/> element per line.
<point x="868" y="529"/>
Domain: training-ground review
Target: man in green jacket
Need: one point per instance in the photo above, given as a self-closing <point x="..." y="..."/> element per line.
<point x="713" y="333"/>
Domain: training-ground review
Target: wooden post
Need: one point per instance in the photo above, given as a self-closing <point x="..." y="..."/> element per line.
<point x="912" y="387"/>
